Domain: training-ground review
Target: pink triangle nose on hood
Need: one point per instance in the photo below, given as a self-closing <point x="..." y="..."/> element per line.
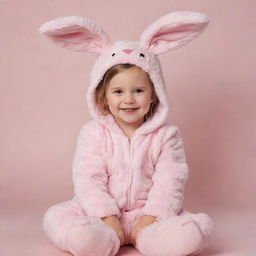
<point x="128" y="51"/>
<point x="148" y="62"/>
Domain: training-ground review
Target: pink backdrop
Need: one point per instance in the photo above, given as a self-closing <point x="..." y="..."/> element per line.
<point x="211" y="86"/>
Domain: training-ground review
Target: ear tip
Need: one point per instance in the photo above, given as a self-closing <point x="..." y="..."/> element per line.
<point x="59" y="22"/>
<point x="203" y="17"/>
<point x="193" y="15"/>
<point x="42" y="29"/>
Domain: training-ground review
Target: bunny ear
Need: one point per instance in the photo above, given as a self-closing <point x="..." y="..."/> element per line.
<point x="77" y="33"/>
<point x="173" y="31"/>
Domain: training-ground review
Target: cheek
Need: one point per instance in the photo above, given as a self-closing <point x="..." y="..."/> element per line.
<point x="145" y="102"/>
<point x="112" y="102"/>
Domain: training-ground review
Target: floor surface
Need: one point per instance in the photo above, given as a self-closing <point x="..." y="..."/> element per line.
<point x="21" y="234"/>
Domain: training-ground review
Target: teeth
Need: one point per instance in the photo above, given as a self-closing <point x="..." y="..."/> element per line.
<point x="129" y="109"/>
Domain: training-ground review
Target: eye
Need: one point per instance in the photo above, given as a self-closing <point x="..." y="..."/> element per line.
<point x="117" y="91"/>
<point x="139" y="90"/>
<point x="142" y="55"/>
<point x="113" y="54"/>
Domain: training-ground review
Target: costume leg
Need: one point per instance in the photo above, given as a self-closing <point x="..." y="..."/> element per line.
<point x="182" y="235"/>
<point x="70" y="229"/>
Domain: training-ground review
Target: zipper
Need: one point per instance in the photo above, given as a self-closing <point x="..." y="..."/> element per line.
<point x="131" y="176"/>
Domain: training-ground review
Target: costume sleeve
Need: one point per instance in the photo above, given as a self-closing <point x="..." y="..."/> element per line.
<point x="90" y="175"/>
<point x="166" y="195"/>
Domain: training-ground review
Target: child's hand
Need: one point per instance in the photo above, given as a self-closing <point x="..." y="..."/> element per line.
<point x="115" y="223"/>
<point x="141" y="223"/>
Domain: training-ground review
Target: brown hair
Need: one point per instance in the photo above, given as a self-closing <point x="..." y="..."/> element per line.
<point x="100" y="93"/>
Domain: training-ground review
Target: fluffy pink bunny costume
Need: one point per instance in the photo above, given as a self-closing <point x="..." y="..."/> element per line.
<point x="114" y="175"/>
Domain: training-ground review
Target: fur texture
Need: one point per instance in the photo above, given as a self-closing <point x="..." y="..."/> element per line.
<point x="113" y="175"/>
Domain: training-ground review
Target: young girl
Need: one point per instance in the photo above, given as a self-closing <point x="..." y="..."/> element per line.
<point x="129" y="168"/>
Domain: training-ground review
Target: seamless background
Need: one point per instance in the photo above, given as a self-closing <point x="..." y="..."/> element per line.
<point x="210" y="85"/>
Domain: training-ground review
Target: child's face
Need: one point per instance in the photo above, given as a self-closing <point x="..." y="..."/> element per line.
<point x="129" y="89"/>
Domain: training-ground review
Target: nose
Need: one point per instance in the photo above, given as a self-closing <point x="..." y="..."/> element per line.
<point x="127" y="51"/>
<point x="129" y="98"/>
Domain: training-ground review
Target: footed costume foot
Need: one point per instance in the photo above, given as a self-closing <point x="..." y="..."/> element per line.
<point x="175" y="236"/>
<point x="92" y="238"/>
<point x="206" y="226"/>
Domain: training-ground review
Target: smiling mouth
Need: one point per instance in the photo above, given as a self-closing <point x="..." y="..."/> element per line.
<point x="129" y="109"/>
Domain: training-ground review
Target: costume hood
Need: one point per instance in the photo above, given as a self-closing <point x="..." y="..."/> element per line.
<point x="169" y="32"/>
